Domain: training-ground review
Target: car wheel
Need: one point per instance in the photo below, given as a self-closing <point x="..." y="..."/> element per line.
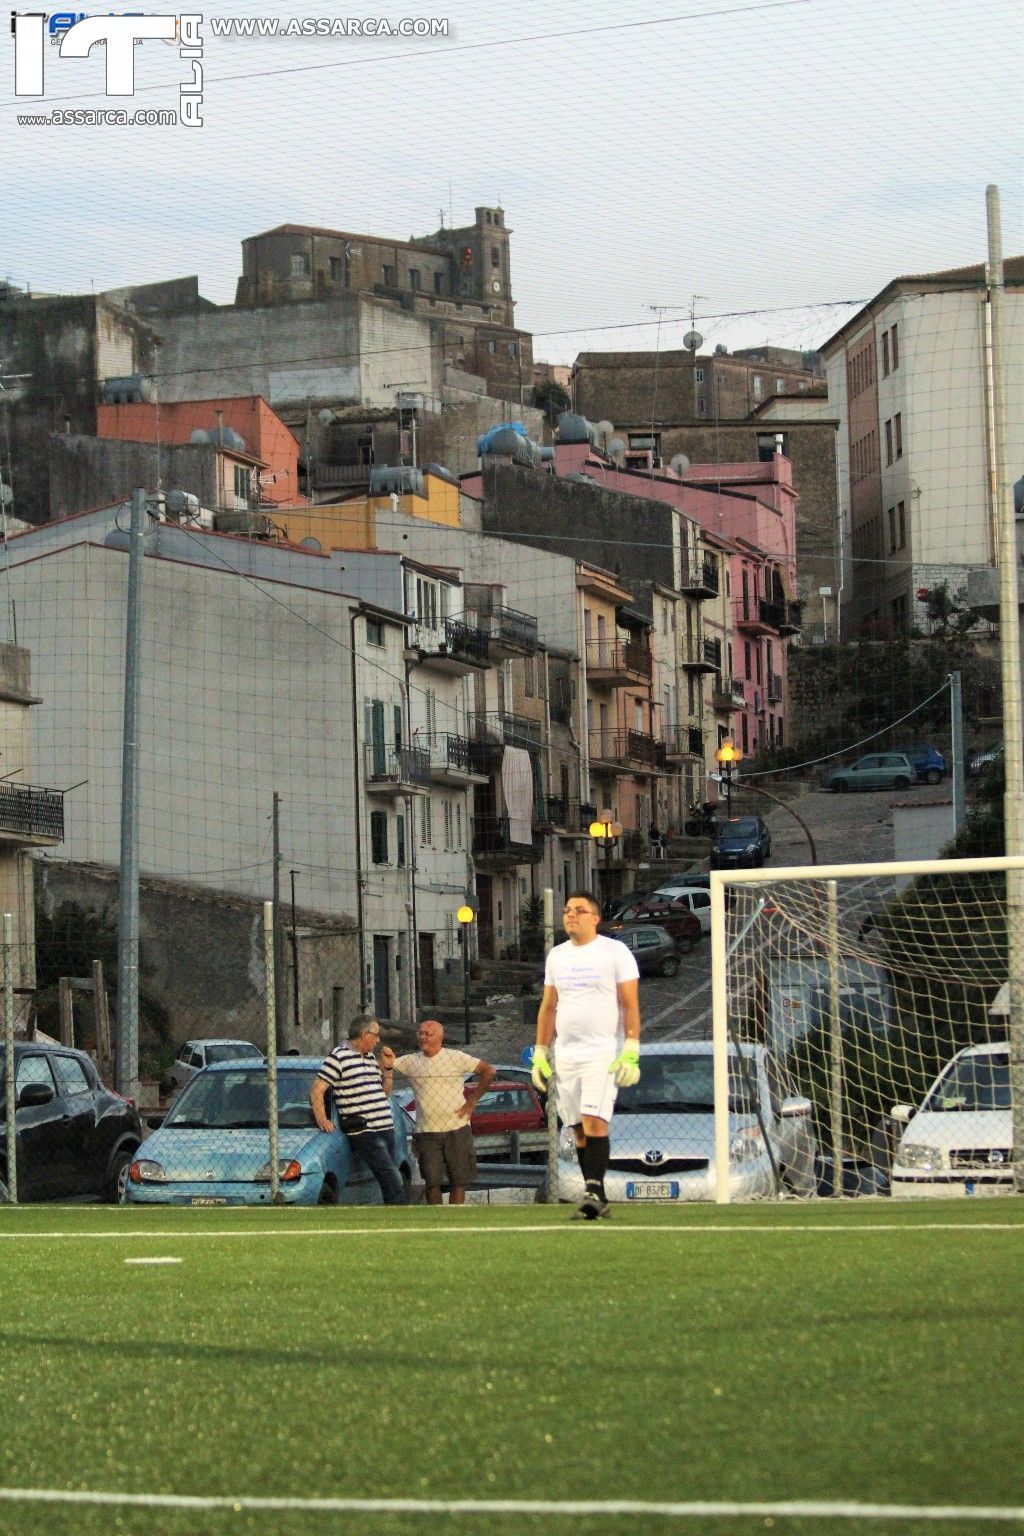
<point x="669" y="966"/>
<point x="838" y="786"/>
<point x="328" y="1193"/>
<point x="685" y="944"/>
<point x="901" y="783"/>
<point x="933" y="776"/>
<point x="117" y="1176"/>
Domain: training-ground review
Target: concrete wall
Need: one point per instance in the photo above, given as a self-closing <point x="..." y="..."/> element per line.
<point x="90" y="472"/>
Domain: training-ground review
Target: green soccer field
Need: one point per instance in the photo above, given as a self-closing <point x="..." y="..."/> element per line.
<point x="864" y="1354"/>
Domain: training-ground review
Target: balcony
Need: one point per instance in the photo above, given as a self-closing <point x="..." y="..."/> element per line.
<point x="509" y="730"/>
<point x="566" y="817"/>
<point x="619" y="663"/>
<point x="773" y="688"/>
<point x="456" y="759"/>
<point x="700" y="576"/>
<point x="760" y="617"/>
<point x="684" y="741"/>
<point x="494" y="847"/>
<point x="630" y="751"/>
<point x="31" y="815"/>
<point x="702" y="655"/>
<point x="456" y="649"/>
<point x="511" y="633"/>
<point x="792" y="619"/>
<point x="727" y="695"/>
<point x="396" y="770"/>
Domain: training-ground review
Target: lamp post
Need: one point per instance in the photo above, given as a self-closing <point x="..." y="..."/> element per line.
<point x="728" y="757"/>
<point x="465" y="915"/>
<point x="606" y="831"/>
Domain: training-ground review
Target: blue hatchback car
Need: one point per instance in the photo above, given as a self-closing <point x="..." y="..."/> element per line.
<point x="928" y="763"/>
<point x="213" y="1146"/>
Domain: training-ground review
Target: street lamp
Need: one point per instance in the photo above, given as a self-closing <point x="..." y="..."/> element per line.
<point x="728" y="757"/>
<point x="465" y="915"/>
<point x="606" y="831"/>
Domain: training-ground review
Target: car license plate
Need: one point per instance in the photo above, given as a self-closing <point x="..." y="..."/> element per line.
<point x="652" y="1191"/>
<point x="208" y="1200"/>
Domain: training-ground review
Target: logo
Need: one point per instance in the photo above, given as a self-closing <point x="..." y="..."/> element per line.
<point x="76" y="34"/>
<point x="654" y="1157"/>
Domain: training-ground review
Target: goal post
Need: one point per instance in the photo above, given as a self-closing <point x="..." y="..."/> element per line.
<point x="861" y="986"/>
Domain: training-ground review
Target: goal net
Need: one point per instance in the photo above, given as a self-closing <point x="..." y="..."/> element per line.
<point x="878" y="995"/>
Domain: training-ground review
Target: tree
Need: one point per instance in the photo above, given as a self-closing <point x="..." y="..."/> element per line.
<point x="552" y="399"/>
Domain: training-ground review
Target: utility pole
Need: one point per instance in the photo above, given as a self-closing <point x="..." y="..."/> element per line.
<point x="127" y="1054"/>
<point x="278" y="930"/>
<point x="1009" y="648"/>
<point x="956" y="751"/>
<point x="295" y="960"/>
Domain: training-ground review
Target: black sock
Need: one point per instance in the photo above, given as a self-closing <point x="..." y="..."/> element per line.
<point x="581" y="1157"/>
<point x="594" y="1163"/>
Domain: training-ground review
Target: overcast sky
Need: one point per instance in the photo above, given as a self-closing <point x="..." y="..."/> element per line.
<point x="781" y="157"/>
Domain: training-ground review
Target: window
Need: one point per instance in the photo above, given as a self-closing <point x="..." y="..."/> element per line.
<point x="374" y="632"/>
<point x="449" y="828"/>
<point x="439" y="282"/>
<point x="400" y="841"/>
<point x="746" y="660"/>
<point x="901" y="512"/>
<point x="71" y="1076"/>
<point x="495" y="256"/>
<point x="530" y="674"/>
<point x="379" y="837"/>
<point x="702" y="406"/>
<point x="885" y="354"/>
<point x="33" y="1069"/>
<point x="891" y="515"/>
<point x="300" y="264"/>
<point x="757" y="386"/>
<point x="888" y="442"/>
<point x="895" y="349"/>
<point x="388" y="274"/>
<point x="699" y="375"/>
<point x="414" y="279"/>
<point x="780" y="386"/>
<point x="513" y="349"/>
<point x="898" y="423"/>
<point x="243" y="482"/>
<point x="426" y="823"/>
<point x="458" y="824"/>
<point x="337" y="269"/>
<point x="491" y="347"/>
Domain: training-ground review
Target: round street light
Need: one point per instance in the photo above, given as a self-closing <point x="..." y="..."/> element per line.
<point x="465" y="915"/>
<point x="606" y="831"/>
<point x="728" y="757"/>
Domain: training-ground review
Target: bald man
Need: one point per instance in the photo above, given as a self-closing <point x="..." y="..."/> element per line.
<point x="443" y="1139"/>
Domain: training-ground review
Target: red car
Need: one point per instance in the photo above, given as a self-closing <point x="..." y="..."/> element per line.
<point x="508" y="1113"/>
<point x="675" y="917"/>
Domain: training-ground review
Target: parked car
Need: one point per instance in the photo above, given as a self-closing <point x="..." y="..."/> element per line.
<point x="743" y="840"/>
<point x="663" y="1131"/>
<point x="655" y="951"/>
<point x="212" y="1148"/>
<point x="979" y="762"/>
<point x="690" y="880"/>
<point x="509" y="1115"/>
<point x="676" y="917"/>
<point x="960" y="1140"/>
<point x="879" y="770"/>
<point x="697" y="898"/>
<point x="197" y="1054"/>
<point x="615" y="904"/>
<point x="928" y="763"/>
<point x="75" y="1138"/>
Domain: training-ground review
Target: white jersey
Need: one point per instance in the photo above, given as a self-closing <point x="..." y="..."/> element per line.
<point x="588" y="1016"/>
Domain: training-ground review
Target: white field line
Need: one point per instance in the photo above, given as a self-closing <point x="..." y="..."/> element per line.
<point x="546" y="1229"/>
<point x="793" y="1509"/>
<point x="154" y="1261"/>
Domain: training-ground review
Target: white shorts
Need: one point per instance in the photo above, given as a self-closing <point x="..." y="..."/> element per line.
<point x="585" y="1088"/>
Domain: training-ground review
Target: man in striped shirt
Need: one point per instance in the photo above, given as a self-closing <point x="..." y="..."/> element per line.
<point x="361" y="1090"/>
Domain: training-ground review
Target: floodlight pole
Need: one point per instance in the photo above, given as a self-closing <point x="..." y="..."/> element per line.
<point x="126" y="1057"/>
<point x="1009" y="650"/>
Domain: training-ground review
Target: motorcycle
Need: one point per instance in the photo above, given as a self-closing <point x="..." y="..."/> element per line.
<point x="703" y="820"/>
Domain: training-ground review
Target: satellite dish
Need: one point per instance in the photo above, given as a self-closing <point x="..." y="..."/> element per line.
<point x="325" y="417"/>
<point x="616" y="448"/>
<point x="692" y="340"/>
<point x="605" y="429"/>
<point x="680" y="463"/>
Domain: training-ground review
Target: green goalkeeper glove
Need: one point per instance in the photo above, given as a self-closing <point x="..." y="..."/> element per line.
<point x="626" y="1065"/>
<point x="540" y="1069"/>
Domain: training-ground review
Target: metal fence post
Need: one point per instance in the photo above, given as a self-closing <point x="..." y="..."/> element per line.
<point x="835" y="1076"/>
<point x="551" y="1106"/>
<point x="269" y="993"/>
<point x="12" y="1129"/>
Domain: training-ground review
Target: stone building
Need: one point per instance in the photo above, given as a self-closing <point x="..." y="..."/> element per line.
<point x="639" y="390"/>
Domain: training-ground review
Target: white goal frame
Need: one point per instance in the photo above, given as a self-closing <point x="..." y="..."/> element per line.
<point x="721" y="879"/>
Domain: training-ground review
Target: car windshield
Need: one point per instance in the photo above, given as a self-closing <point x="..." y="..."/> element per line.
<point x="224" y="1101"/>
<point x="232" y="1050"/>
<point x="747" y="827"/>
<point x="683" y="1085"/>
<point x="974" y="1082"/>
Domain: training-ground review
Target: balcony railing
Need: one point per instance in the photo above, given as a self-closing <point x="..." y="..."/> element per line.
<point x="513" y="630"/>
<point x="773" y="688"/>
<point x="396" y="767"/>
<point x="465" y="640"/>
<point x="684" y="741"/>
<point x="700" y="576"/>
<point x="493" y="841"/>
<point x="702" y="655"/>
<point x="739" y="692"/>
<point x="619" y="661"/>
<point x="512" y="730"/>
<point x="792" y="619"/>
<point x="757" y="613"/>
<point x="723" y="695"/>
<point x="630" y="748"/>
<point x="28" y="812"/>
<point x="567" y="815"/>
<point x="456" y="754"/>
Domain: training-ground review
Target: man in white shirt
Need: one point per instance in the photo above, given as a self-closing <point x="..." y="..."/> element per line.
<point x="444" y="1138"/>
<point x="591" y="1003"/>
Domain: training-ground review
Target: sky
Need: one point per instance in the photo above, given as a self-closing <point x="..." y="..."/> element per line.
<point x="766" y="163"/>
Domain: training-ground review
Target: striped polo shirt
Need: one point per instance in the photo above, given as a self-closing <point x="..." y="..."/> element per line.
<point x="358" y="1089"/>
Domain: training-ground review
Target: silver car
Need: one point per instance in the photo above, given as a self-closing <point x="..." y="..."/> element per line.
<point x="197" y="1054"/>
<point x="663" y="1131"/>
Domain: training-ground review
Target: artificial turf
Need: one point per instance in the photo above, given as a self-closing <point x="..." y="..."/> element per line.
<point x="668" y="1355"/>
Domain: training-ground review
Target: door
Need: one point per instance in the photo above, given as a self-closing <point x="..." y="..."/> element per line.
<point x="43" y="1157"/>
<point x="428" y="988"/>
<point x="485" y="915"/>
<point x="381" y="976"/>
<point x="87" y="1159"/>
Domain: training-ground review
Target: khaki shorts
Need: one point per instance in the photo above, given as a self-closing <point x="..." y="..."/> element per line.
<point x="438" y="1152"/>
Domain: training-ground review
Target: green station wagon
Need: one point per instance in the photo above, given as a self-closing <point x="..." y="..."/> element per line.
<point x="880" y="770"/>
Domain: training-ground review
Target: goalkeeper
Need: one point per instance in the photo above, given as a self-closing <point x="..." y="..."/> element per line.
<point x="591" y="1004"/>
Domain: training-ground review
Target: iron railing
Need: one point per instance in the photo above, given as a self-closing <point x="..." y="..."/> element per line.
<point x="620" y="656"/>
<point x="700" y="576"/>
<point x="773" y="689"/>
<point x="30" y="812"/>
<point x="628" y="747"/>
<point x="684" y="740"/>
<point x="492" y="837"/>
<point x="396" y="765"/>
<point x="510" y="627"/>
<point x="456" y="752"/>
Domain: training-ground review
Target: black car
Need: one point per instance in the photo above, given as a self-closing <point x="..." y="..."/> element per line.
<point x="75" y="1138"/>
<point x="745" y="840"/>
<point x="655" y="952"/>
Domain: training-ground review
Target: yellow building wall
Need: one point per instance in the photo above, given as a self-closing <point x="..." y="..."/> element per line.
<point x="352" y="524"/>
